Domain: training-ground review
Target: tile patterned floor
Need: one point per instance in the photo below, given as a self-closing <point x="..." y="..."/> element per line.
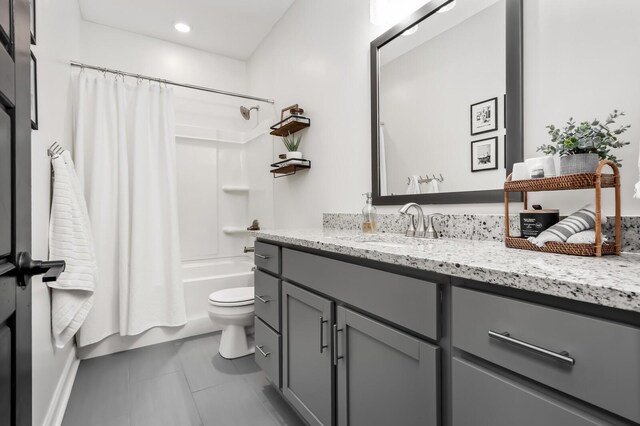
<point x="181" y="383"/>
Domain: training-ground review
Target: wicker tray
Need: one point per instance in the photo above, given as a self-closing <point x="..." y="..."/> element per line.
<point x="560" y="183"/>
<point x="561" y="248"/>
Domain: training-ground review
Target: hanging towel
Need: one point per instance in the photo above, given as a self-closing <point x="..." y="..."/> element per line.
<point x="636" y="193"/>
<point x="71" y="240"/>
<point x="414" y="185"/>
<point x="433" y="186"/>
<point x="582" y="220"/>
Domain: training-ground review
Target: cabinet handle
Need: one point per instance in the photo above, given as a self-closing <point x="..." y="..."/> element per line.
<point x="336" y="357"/>
<point x="505" y="337"/>
<point x="262" y="299"/>
<point x="262" y="256"/>
<point x="264" y="354"/>
<point x="322" y="345"/>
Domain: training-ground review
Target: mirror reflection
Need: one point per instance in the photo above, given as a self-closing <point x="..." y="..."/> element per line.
<point x="441" y="102"/>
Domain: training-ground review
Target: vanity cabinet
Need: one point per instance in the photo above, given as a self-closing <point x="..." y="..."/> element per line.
<point x="385" y="376"/>
<point x="307" y="379"/>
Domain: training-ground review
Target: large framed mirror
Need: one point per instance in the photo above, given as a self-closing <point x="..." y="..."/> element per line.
<point x="446" y="106"/>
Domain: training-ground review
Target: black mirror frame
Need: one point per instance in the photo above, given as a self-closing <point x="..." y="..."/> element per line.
<point x="514" y="114"/>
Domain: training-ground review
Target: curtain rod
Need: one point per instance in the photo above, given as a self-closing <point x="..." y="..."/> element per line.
<point x="173" y="83"/>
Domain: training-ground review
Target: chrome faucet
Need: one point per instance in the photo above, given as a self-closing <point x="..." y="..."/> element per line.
<point x="424" y="227"/>
<point x="414" y="229"/>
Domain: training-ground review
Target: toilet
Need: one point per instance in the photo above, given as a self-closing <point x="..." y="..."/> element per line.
<point x="233" y="308"/>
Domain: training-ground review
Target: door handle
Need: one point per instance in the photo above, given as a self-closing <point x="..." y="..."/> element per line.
<point x="27" y="268"/>
<point x="336" y="357"/>
<point x="322" y="323"/>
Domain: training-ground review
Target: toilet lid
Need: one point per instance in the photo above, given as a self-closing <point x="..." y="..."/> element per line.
<point x="238" y="296"/>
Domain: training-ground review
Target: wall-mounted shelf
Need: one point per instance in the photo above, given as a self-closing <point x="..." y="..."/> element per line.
<point x="237" y="189"/>
<point x="235" y="231"/>
<point x="291" y="124"/>
<point x="289" y="167"/>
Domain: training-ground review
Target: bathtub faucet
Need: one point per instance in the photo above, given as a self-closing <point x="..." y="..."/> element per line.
<point x="249" y="249"/>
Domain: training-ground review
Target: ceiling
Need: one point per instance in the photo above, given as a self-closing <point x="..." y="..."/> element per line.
<point x="231" y="28"/>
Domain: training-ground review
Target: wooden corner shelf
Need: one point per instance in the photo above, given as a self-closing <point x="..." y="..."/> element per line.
<point x="596" y="181"/>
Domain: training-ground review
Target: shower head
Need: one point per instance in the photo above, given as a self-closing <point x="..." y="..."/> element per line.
<point x="246" y="112"/>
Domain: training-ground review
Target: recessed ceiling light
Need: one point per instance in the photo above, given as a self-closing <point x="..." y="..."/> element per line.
<point x="182" y="27"/>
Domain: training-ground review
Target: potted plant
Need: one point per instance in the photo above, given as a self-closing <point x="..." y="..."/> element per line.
<point x="292" y="143"/>
<point x="582" y="146"/>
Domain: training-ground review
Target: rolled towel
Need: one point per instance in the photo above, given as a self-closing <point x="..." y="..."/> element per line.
<point x="585" y="237"/>
<point x="582" y="220"/>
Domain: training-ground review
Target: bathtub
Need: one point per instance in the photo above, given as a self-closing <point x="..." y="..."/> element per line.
<point x="199" y="280"/>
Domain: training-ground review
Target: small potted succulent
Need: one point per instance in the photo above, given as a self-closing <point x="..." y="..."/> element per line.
<point x="581" y="146"/>
<point x="292" y="143"/>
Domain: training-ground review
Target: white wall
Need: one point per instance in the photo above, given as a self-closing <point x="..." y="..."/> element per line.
<point x="425" y="95"/>
<point x="58" y="32"/>
<point x="318" y="55"/>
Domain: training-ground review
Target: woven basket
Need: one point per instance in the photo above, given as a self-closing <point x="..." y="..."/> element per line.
<point x="560" y="248"/>
<point x="564" y="182"/>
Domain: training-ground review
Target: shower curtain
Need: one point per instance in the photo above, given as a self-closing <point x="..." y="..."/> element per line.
<point x="124" y="151"/>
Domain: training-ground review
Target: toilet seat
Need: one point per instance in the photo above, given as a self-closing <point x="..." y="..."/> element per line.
<point x="238" y="296"/>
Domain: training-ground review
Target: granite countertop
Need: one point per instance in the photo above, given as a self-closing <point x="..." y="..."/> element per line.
<point x="612" y="281"/>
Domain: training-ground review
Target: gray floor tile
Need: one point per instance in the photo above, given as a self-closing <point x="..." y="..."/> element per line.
<point x="270" y="398"/>
<point x="232" y="404"/>
<point x="163" y="401"/>
<point x="113" y="421"/>
<point x="202" y="364"/>
<point x="100" y="391"/>
<point x="154" y="361"/>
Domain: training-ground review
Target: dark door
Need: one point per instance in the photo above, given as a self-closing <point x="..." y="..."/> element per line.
<point x="307" y="375"/>
<point x="385" y="377"/>
<point x="15" y="213"/>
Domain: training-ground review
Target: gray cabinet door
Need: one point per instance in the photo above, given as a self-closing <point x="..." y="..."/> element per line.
<point x="481" y="397"/>
<point x="307" y="379"/>
<point x="385" y="377"/>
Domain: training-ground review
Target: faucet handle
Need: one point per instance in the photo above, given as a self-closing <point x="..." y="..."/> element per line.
<point x="431" y="230"/>
<point x="411" y="229"/>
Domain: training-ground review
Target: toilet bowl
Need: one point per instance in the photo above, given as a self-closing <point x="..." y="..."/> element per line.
<point x="232" y="308"/>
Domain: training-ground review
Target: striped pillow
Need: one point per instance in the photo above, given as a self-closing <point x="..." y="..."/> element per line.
<point x="583" y="219"/>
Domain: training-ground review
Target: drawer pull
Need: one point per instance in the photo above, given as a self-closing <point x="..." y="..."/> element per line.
<point x="505" y="337"/>
<point x="322" y="345"/>
<point x="262" y="256"/>
<point x="264" y="354"/>
<point x="262" y="299"/>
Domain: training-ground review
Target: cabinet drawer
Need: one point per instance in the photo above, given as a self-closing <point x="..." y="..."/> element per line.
<point x="408" y="302"/>
<point x="268" y="351"/>
<point x="481" y="397"/>
<point x="267" y="302"/>
<point x="606" y="368"/>
<point x="267" y="257"/>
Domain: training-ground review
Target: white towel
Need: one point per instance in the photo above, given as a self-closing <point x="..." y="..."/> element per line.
<point x="636" y="193"/>
<point x="433" y="187"/>
<point x="414" y="185"/>
<point x="71" y="240"/>
<point x="585" y="237"/>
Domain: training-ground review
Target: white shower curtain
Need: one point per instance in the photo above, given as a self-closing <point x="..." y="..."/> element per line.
<point x="124" y="151"/>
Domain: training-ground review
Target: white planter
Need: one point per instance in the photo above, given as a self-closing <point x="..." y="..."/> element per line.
<point x="294" y="154"/>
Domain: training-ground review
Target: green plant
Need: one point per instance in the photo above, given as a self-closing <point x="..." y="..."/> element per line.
<point x="594" y="137"/>
<point x="291" y="142"/>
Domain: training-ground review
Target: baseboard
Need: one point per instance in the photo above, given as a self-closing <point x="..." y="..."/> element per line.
<point x="58" y="405"/>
